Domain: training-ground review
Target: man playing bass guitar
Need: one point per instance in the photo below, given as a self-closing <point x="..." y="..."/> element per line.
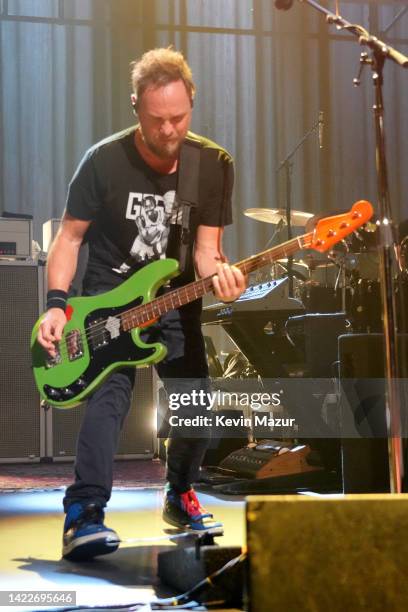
<point x="122" y="202"/>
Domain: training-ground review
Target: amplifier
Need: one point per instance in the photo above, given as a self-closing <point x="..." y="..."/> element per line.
<point x="15" y="238"/>
<point x="21" y="418"/>
<point x="365" y="456"/>
<point x="315" y="336"/>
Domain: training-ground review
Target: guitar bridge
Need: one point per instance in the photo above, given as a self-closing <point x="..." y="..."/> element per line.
<point x="51" y="362"/>
<point x="75" y="347"/>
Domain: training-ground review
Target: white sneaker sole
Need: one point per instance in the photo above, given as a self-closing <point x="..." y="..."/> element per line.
<point x="104" y="538"/>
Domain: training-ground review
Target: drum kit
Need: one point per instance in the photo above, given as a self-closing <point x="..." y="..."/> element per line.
<point x="346" y="279"/>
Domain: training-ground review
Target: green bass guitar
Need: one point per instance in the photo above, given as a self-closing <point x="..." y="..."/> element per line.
<point x="102" y="333"/>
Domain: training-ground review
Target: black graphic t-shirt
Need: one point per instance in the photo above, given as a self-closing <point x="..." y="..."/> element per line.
<point x="134" y="212"/>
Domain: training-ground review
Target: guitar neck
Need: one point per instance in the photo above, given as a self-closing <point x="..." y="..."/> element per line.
<point x="142" y="315"/>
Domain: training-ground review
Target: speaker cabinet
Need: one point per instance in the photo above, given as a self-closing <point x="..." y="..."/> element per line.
<point x="138" y="434"/>
<point x="21" y="422"/>
<point x="365" y="456"/>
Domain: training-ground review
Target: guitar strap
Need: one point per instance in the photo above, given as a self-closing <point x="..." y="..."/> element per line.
<point x="187" y="192"/>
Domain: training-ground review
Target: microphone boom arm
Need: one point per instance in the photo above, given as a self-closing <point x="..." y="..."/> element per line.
<point x="365" y="38"/>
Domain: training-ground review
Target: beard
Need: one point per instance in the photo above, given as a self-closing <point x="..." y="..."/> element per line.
<point x="164" y="149"/>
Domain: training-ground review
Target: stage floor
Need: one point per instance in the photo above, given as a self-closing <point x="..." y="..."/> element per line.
<point x="30" y="551"/>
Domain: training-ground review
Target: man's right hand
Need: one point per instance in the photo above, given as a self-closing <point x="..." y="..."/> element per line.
<point x="50" y="330"/>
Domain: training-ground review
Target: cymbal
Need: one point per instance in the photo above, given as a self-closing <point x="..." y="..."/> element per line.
<point x="274" y="215"/>
<point x="297" y="262"/>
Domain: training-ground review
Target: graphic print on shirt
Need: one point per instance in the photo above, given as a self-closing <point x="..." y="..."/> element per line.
<point x="153" y="215"/>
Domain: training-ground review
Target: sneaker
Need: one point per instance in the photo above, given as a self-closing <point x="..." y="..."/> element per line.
<point x="85" y="535"/>
<point x="183" y="510"/>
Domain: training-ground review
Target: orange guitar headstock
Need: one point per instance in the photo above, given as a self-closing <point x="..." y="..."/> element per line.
<point x="331" y="230"/>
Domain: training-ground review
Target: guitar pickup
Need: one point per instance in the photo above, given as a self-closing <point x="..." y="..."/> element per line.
<point x="98" y="335"/>
<point x="75" y="348"/>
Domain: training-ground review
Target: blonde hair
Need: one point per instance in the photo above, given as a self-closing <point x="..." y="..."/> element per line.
<point x="159" y="67"/>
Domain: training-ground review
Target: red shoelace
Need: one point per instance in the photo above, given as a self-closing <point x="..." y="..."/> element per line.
<point x="191" y="504"/>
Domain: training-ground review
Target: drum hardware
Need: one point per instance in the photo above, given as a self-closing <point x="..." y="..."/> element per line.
<point x="343" y="288"/>
<point x="262" y="275"/>
<point x="280" y="218"/>
<point x="272" y="328"/>
<point x="265" y="273"/>
<point x="236" y="365"/>
<point x="300" y="270"/>
<point x="346" y="279"/>
<point x="365" y="238"/>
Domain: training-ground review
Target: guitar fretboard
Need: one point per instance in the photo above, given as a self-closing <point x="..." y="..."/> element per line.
<point x="144" y="314"/>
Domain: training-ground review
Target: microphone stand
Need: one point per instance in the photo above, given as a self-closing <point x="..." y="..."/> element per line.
<point x="287" y="164"/>
<point x="276" y="231"/>
<point x="380" y="51"/>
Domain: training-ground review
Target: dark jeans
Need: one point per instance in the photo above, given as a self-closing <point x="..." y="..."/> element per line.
<point x="107" y="409"/>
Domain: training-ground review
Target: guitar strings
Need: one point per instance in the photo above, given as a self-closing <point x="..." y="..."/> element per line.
<point x="247" y="264"/>
<point x="252" y="261"/>
<point x="271" y="254"/>
<point x="92" y="332"/>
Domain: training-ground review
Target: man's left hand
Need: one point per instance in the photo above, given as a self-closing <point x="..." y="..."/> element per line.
<point x="228" y="282"/>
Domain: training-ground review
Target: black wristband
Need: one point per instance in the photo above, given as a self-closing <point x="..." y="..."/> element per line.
<point x="56" y="298"/>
